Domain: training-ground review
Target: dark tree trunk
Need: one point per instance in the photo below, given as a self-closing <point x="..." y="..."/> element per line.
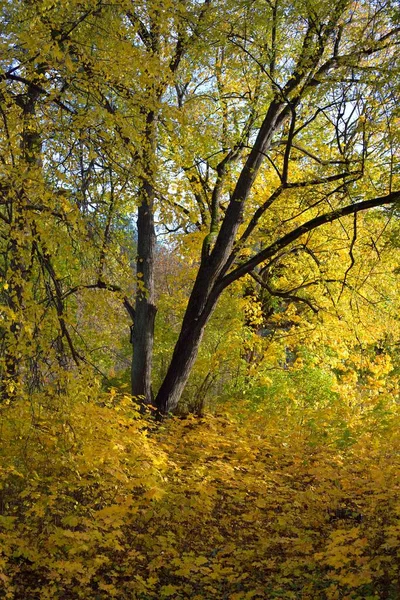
<point x="183" y="359"/>
<point x="219" y="265"/>
<point x="207" y="287"/>
<point x="202" y="302"/>
<point x="145" y="310"/>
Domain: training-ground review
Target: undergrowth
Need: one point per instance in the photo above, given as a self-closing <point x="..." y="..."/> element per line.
<point x="97" y="502"/>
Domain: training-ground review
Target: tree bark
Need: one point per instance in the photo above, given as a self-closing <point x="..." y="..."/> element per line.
<point x="145" y="309"/>
<point x="198" y="313"/>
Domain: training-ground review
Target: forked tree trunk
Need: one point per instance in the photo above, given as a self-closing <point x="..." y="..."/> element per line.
<point x="219" y="267"/>
<point x="207" y="288"/>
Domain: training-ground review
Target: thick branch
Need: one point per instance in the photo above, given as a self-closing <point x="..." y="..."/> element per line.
<point x="39" y="89"/>
<point x="141" y="29"/>
<point x="291" y="237"/>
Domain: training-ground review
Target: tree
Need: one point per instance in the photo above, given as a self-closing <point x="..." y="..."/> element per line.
<point x="254" y="125"/>
<point x="325" y="84"/>
<point x="61" y="200"/>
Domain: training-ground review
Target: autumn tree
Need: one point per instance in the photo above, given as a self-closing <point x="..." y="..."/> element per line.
<point x="253" y="124"/>
<point x="61" y="199"/>
<point x="298" y="142"/>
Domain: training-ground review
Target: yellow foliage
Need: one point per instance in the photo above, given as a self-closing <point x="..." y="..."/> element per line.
<point x="99" y="503"/>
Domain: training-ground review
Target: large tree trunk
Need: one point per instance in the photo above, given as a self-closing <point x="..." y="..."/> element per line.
<point x="202" y="302"/>
<point x="145" y="310"/>
<point x="207" y="288"/>
<point x="183" y="359"/>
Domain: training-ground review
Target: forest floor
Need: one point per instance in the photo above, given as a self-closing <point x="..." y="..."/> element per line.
<point x="96" y="504"/>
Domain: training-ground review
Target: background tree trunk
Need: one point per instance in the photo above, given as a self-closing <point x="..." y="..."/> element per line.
<point x="145" y="309"/>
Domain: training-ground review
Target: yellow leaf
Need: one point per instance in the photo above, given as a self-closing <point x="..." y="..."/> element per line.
<point x="168" y="590"/>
